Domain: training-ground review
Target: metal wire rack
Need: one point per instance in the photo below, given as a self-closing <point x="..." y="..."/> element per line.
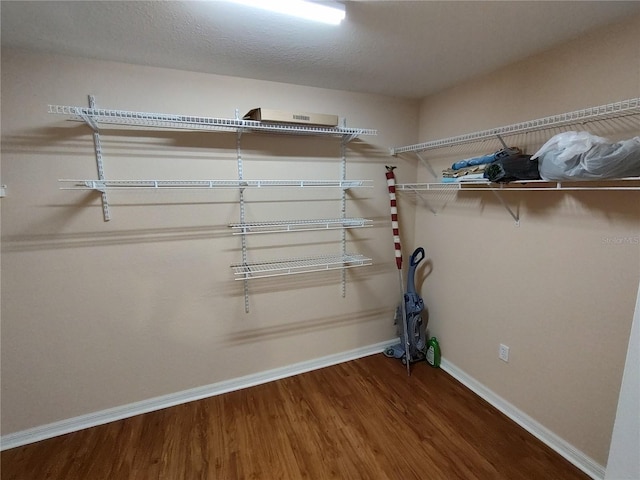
<point x="276" y="268"/>
<point x="602" y="112"/>
<point x="630" y="183"/>
<point x="279" y="226"/>
<point x="102" y="185"/>
<point x="623" y="184"/>
<point x="96" y="116"/>
<point x="609" y="111"/>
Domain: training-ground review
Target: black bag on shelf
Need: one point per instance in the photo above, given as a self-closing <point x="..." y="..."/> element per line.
<point x="509" y="169"/>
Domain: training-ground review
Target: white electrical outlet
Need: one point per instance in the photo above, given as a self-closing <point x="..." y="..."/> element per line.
<point x="503" y="352"/>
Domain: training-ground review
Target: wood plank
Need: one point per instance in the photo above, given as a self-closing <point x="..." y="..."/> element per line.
<point x="363" y="419"/>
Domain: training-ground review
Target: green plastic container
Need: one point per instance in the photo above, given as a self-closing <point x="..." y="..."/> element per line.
<point x="433" y="352"/>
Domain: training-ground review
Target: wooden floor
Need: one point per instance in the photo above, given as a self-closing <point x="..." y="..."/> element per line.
<point x="363" y="419"/>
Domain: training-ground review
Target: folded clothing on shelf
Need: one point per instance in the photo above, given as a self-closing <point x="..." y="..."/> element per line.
<point x="471" y="177"/>
<point x="486" y="159"/>
<point x="451" y="173"/>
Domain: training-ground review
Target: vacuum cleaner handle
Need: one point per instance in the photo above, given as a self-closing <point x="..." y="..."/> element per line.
<point x="419" y="252"/>
<point x="416" y="257"/>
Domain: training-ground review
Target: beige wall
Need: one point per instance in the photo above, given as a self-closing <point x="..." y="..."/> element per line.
<point x="97" y="315"/>
<point x="560" y="288"/>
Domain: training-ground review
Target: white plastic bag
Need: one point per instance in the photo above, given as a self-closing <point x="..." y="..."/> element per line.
<point x="584" y="156"/>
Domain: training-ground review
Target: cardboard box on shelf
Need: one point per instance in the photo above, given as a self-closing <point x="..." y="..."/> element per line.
<point x="280" y="116"/>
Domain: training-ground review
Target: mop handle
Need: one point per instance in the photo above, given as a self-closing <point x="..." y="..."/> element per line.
<point x="391" y="185"/>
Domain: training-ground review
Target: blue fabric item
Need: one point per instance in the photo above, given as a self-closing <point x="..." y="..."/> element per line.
<point x="470" y="162"/>
<point x="469" y="177"/>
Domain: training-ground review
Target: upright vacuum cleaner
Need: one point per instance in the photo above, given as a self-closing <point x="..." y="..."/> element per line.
<point x="408" y="319"/>
<point x="411" y="323"/>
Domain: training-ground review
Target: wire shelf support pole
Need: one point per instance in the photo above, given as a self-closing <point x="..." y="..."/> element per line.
<point x="343" y="207"/>
<point x="242" y="215"/>
<point x="106" y="214"/>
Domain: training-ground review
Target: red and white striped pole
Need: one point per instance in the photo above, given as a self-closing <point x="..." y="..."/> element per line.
<point x="391" y="186"/>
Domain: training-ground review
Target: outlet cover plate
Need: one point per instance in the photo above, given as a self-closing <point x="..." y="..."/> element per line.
<point x="503" y="352"/>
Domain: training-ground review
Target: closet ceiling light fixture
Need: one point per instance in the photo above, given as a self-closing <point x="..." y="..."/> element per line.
<point x="325" y="12"/>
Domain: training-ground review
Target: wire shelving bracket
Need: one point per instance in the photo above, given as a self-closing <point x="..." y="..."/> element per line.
<point x="106" y="213"/>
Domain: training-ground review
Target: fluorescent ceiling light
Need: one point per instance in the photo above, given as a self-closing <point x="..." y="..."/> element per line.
<point x="325" y="12"/>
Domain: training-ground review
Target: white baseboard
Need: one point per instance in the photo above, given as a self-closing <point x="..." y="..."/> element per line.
<point x="566" y="450"/>
<point x="55" y="429"/>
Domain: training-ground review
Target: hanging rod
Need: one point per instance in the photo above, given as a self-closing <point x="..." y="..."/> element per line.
<point x="610" y="110"/>
<point x="299" y="265"/>
<point x="299" y="225"/>
<point x="95" y="116"/>
<point x="102" y="185"/>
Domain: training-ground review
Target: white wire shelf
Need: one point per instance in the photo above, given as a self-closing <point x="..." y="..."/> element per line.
<point x="96" y="116"/>
<point x="249" y="271"/>
<point x="630" y="183"/>
<point x="602" y="112"/>
<point x="248" y="228"/>
<point x="102" y="185"/>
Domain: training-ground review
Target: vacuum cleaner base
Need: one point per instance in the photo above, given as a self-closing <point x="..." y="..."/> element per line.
<point x="397" y="351"/>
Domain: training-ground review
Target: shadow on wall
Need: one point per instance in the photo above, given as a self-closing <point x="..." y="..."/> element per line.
<point x="149" y="143"/>
<point x="614" y="204"/>
<point x="365" y="149"/>
<point x="54" y="241"/>
<point x="299" y="327"/>
<point x="570" y="207"/>
<point x="41" y="140"/>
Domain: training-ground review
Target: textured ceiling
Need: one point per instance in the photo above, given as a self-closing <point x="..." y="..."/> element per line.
<point x="400" y="48"/>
